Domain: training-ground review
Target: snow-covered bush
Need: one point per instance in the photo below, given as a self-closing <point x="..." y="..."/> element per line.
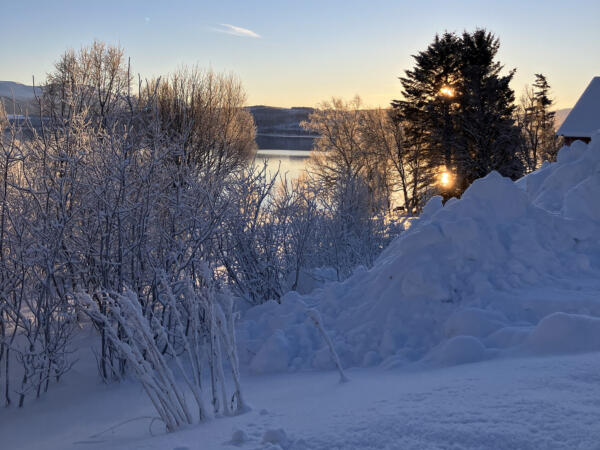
<point x="127" y="197"/>
<point x="198" y="333"/>
<point x="351" y="232"/>
<point x="98" y="199"/>
<point x="276" y="230"/>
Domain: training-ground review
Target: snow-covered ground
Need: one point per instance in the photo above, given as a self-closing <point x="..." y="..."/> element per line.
<point x="525" y="403"/>
<point x="477" y="328"/>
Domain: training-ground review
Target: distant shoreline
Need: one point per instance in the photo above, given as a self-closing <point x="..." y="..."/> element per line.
<point x="292" y="153"/>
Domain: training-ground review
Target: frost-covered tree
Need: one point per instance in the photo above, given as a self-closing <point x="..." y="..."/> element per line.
<point x="352" y="169"/>
<point x="346" y="150"/>
<point x="136" y="210"/>
<point x="536" y="121"/>
<point x="251" y="238"/>
<point x="203" y="113"/>
<point x="401" y="146"/>
<point x="296" y="207"/>
<point x="100" y="202"/>
<point x="353" y="234"/>
<point x="93" y="82"/>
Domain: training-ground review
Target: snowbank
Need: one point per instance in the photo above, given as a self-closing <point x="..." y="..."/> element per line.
<point x="565" y="333"/>
<point x="479" y="276"/>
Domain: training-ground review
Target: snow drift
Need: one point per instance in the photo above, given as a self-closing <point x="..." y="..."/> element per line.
<point x="510" y="267"/>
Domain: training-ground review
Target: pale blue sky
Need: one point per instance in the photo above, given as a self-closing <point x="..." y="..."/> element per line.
<point x="307" y="50"/>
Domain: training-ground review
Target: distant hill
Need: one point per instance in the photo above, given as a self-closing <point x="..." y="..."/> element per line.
<point x="276" y="128"/>
<point x="279" y="128"/>
<point x="560" y="116"/>
<point x="18" y="98"/>
<point x="18" y="90"/>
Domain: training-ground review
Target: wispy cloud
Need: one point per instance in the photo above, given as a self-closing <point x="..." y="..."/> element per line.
<point x="236" y="31"/>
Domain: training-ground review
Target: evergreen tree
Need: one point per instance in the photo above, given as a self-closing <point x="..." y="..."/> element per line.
<point x="488" y="137"/>
<point x="427" y="111"/>
<point x="458" y="104"/>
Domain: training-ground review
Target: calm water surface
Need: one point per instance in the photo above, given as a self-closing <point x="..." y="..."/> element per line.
<point x="290" y="162"/>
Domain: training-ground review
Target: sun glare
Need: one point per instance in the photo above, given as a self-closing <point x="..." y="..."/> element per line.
<point x="447" y="91"/>
<point x="445" y="179"/>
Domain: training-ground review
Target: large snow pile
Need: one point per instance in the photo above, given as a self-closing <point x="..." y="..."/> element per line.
<point x="508" y="268"/>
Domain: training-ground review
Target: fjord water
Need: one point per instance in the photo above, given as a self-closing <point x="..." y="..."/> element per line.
<point x="290" y="163"/>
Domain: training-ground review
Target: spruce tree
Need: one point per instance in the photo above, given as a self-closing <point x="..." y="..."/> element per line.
<point x="427" y="117"/>
<point x="459" y="104"/>
<point x="488" y="137"/>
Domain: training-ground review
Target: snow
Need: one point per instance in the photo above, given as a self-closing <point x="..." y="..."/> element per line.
<point x="479" y="327"/>
<point x="526" y="403"/>
<point x="239" y="437"/>
<point x="584" y="118"/>
<point x="457" y="350"/>
<point x="276" y="437"/>
<point x="565" y="333"/>
<point x="474" y="322"/>
<point x="470" y="280"/>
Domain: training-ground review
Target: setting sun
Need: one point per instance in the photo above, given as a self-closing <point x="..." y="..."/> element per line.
<point x="445" y="179"/>
<point x="447" y="91"/>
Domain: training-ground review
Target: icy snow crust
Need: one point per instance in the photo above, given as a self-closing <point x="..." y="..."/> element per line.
<point x="507" y="269"/>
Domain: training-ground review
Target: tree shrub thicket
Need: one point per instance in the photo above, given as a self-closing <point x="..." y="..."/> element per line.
<point x="135" y="207"/>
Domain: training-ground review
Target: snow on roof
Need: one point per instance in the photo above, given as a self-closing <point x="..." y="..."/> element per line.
<point x="584" y="118"/>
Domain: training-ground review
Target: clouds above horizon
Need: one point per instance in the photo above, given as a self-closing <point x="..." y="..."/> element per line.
<point x="236" y="31"/>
